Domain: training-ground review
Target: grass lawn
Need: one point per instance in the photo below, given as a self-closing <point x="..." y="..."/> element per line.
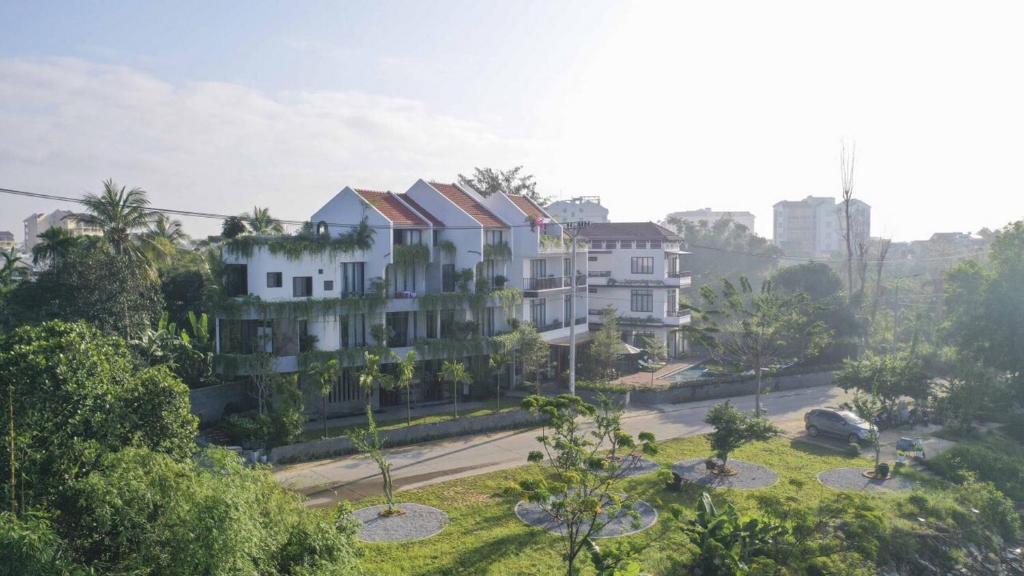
<point x="391" y="424"/>
<point x="485" y="537"/>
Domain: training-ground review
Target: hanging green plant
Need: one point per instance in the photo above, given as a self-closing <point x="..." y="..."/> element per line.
<point x="305" y="243"/>
<point x="447" y="247"/>
<point x="498" y="251"/>
<point x="407" y="256"/>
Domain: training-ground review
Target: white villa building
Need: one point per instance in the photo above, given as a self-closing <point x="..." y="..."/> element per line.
<point x="636" y="268"/>
<point x="445" y="273"/>
<point x="73" y="223"/>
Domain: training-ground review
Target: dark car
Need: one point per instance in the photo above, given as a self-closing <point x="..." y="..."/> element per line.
<point x="840" y="423"/>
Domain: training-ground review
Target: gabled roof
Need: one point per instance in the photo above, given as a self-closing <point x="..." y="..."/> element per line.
<point x="416" y="206"/>
<point x="475" y="209"/>
<point x="528" y="206"/>
<point x="628" y="231"/>
<point x="392" y="208"/>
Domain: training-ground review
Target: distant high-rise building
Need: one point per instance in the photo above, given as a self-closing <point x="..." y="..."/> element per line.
<point x="36" y="224"/>
<point x="579" y="208"/>
<point x="711" y="216"/>
<point x="814" y="227"/>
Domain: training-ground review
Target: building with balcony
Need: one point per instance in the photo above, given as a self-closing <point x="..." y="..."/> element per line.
<point x="74" y="224"/>
<point x="746" y="219"/>
<point x="578" y="208"/>
<point x="637" y="269"/>
<point x="437" y="269"/>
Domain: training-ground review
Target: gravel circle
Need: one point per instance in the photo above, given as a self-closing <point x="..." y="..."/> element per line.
<point x="854" y="479"/>
<point x="622" y="525"/>
<point x="417" y="523"/>
<point x="748" y="476"/>
<point x="636" y="466"/>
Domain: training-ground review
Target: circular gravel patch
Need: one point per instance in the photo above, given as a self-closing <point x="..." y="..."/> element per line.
<point x="636" y="466"/>
<point x="853" y="479"/>
<point x="622" y="525"/>
<point x="747" y="475"/>
<point x="418" y="522"/>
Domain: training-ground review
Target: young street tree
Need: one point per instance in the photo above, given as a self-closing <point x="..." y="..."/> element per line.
<point x="406" y="372"/>
<point x="372" y="377"/>
<point x="578" y="488"/>
<point x="606" y="345"/>
<point x="325" y="374"/>
<point x="754" y="330"/>
<point x="369" y="442"/>
<point x="533" y="353"/>
<point x="869" y="407"/>
<point x="733" y="429"/>
<point x="455" y="372"/>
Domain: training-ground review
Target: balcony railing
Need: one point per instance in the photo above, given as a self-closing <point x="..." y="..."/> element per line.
<point x="581" y="321"/>
<point x="599" y="273"/>
<point x="679" y="274"/>
<point x="678" y="313"/>
<point x="553" y="282"/>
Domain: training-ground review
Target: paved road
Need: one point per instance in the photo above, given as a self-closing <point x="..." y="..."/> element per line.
<point x="327" y="481"/>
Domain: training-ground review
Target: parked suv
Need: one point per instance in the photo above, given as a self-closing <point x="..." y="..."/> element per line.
<point x="841" y="423"/>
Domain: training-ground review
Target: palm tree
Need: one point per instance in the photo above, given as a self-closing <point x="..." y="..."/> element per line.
<point x="371" y="376"/>
<point x="454" y="372"/>
<point x="406" y="371"/>
<point x="119" y="213"/>
<point x="261" y="222"/>
<point x="7" y="272"/>
<point x="325" y="374"/>
<point x="166" y="228"/>
<point x="54" y="244"/>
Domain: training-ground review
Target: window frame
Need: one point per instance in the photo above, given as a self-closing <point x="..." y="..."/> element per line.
<point x="641" y="300"/>
<point x="280" y="279"/>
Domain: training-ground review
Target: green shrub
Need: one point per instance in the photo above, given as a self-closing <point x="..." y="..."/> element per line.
<point x="248" y="430"/>
<point x="1005" y="471"/>
<point x="1014" y="427"/>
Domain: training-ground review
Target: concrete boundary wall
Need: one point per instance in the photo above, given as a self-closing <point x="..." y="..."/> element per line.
<point x="409" y="435"/>
<point x="696" y="391"/>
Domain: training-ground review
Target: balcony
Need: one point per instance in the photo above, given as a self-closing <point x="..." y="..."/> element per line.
<point x="532" y="286"/>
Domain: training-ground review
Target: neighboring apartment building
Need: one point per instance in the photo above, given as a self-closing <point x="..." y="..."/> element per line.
<point x="813" y="227"/>
<point x="637" y="269"/>
<point x="711" y="216"/>
<point x="36" y="224"/>
<point x="580" y="208"/>
<point x="7" y="241"/>
<point x="447" y="273"/>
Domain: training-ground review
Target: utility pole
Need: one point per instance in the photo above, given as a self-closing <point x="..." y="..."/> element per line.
<point x="574" y="229"/>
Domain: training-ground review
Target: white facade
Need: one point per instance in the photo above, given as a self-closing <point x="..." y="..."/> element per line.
<point x="349" y="301"/>
<point x="579" y="208"/>
<point x="813" y="227"/>
<point x="711" y="216"/>
<point x="637" y="269"/>
<point x="7" y="241"/>
<point x="36" y="224"/>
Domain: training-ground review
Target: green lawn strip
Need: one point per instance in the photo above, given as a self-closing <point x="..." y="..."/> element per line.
<point x="336" y="431"/>
<point x="485" y="537"/>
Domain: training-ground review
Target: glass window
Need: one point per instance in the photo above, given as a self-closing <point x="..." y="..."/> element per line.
<point x="625" y="244"/>
<point x="352" y="278"/>
<point x="538" y="268"/>
<point x="641" y="243"/>
<point x="641" y="300"/>
<point x="302" y="286"/>
<point x="236" y="279"/>
<point x="538" y="308"/>
<point x="328" y="285"/>
<point x="567" y="313"/>
<point x="448" y="277"/>
<point x="274" y="280"/>
<point x="567" y="268"/>
<point x="494" y="236"/>
<point x="595" y="245"/>
<point x="610" y="245"/>
<point x="642" y="265"/>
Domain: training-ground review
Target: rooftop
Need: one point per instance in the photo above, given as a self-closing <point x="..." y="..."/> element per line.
<point x="528" y="206"/>
<point x="416" y="206"/>
<point x="628" y="231"/>
<point x="475" y="209"/>
<point x="392" y="208"/>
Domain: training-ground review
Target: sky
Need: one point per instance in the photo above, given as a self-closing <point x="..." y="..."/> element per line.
<point x="654" y="106"/>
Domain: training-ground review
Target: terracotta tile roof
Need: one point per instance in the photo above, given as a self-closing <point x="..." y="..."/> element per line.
<point x="527" y="205"/>
<point x="392" y="208"/>
<point x="628" y="231"/>
<point x="416" y="206"/>
<point x="475" y="209"/>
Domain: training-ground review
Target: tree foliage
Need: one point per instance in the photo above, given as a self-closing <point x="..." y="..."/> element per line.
<point x="260" y="222"/>
<point x="369" y="441"/>
<point x="890" y="377"/>
<point x="725" y="250"/>
<point x="578" y="488"/>
<point x="77" y="396"/>
<point x="120" y="213"/>
<point x="606" y="345"/>
<point x="455" y="372"/>
<point x="513" y="182"/>
<point x="727" y="544"/>
<point x="732" y="429"/>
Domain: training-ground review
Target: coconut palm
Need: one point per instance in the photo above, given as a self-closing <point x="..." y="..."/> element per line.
<point x="11" y="259"/>
<point x="166" y="228"/>
<point x="325" y="374"/>
<point x="456" y="373"/>
<point x="120" y="213"/>
<point x="54" y="244"/>
<point x="406" y="372"/>
<point x="261" y="222"/>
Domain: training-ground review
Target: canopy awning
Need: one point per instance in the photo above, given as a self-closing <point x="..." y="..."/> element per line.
<point x="580" y="339"/>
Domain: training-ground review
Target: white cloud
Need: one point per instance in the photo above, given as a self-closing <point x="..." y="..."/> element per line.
<point x="68" y="124"/>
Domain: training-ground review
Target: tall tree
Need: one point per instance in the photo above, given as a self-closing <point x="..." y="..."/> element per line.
<point x="165" y="228"/>
<point x="232" y="227"/>
<point x="487" y="181"/>
<point x="847" y="162"/>
<point x="120" y="213"/>
<point x="403" y="381"/>
<point x="9" y="272"/>
<point x="606" y="346"/>
<point x="752" y="330"/>
<point x="533" y="353"/>
<point x="260" y="221"/>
